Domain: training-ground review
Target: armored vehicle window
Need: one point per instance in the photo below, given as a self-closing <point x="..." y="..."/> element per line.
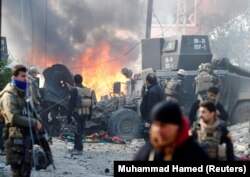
<point x="170" y="46"/>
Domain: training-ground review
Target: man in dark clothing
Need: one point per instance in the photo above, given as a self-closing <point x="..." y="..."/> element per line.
<point x="212" y="135"/>
<point x="169" y="139"/>
<point x="79" y="110"/>
<point x="213" y="96"/>
<point x="152" y="96"/>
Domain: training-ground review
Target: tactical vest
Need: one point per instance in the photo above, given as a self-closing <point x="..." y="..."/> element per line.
<point x="209" y="137"/>
<point x="170" y="89"/>
<point x="83" y="100"/>
<point x="204" y="81"/>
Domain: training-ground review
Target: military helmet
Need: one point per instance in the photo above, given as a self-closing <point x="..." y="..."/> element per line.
<point x="207" y="66"/>
<point x="181" y="72"/>
<point x="33" y="70"/>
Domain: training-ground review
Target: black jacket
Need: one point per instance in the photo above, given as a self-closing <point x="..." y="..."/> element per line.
<point x="154" y="95"/>
<point x="193" y="111"/>
<point x="188" y="151"/>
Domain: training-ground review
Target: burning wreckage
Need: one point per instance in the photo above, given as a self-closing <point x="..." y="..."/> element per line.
<point x="118" y="113"/>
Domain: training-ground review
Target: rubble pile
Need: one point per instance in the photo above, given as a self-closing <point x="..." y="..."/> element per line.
<point x="241" y="136"/>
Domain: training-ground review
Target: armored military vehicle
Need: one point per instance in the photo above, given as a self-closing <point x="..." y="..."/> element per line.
<point x="119" y="113"/>
<point x="164" y="56"/>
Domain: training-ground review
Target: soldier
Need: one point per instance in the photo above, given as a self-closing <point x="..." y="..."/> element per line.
<point x="153" y="95"/>
<point x="212" y="135"/>
<point x="169" y="139"/>
<point x="14" y="110"/>
<point x="204" y="80"/>
<point x="33" y="89"/>
<point x="80" y="105"/>
<point x="213" y="95"/>
<point x="174" y="87"/>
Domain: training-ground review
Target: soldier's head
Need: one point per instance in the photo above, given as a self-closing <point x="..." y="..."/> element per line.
<point x="19" y="73"/>
<point x="78" y="79"/>
<point x="33" y="71"/>
<point x="213" y="94"/>
<point x="151" y="79"/>
<point x="207" y="112"/>
<point x="167" y="119"/>
<point x="208" y="68"/>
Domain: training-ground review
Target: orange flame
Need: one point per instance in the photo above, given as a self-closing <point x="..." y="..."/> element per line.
<point x="99" y="71"/>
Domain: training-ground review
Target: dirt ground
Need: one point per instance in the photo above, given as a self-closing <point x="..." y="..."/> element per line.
<point x="96" y="161"/>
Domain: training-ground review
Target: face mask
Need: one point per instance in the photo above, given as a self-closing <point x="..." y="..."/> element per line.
<point x="19" y="84"/>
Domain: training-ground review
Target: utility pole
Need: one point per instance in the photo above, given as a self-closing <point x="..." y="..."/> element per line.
<point x="149" y="18"/>
<point x="0" y="17"/>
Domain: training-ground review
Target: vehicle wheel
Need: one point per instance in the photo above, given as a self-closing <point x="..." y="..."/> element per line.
<point x="241" y="113"/>
<point x="125" y="123"/>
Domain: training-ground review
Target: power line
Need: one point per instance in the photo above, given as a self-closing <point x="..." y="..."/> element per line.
<point x="136" y="44"/>
<point x="45" y="34"/>
<point x="158" y="22"/>
<point x="32" y="30"/>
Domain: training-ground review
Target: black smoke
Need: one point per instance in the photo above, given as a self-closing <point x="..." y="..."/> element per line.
<point x="64" y="29"/>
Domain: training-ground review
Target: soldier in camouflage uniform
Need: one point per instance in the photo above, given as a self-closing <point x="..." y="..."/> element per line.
<point x="14" y="109"/>
<point x="204" y="80"/>
<point x="212" y="135"/>
<point x="174" y="87"/>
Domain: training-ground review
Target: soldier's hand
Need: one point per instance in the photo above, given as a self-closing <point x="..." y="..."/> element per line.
<point x="38" y="125"/>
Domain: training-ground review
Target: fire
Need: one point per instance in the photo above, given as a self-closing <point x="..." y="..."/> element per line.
<point x="99" y="71"/>
<point x="98" y="68"/>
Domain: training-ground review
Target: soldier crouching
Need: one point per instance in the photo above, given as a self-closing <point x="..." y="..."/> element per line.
<point x="14" y="109"/>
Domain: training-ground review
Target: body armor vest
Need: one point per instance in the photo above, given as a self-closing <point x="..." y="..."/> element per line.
<point x="209" y="137"/>
<point x="83" y="100"/>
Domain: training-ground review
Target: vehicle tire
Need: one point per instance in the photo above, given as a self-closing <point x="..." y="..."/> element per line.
<point x="125" y="123"/>
<point x="241" y="113"/>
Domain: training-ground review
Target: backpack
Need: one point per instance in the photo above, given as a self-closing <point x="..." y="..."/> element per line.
<point x="204" y="81"/>
<point x="170" y="89"/>
<point x="84" y="97"/>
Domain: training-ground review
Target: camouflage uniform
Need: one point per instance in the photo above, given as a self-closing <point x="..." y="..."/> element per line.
<point x="17" y="148"/>
<point x="174" y="90"/>
<point x="204" y="80"/>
